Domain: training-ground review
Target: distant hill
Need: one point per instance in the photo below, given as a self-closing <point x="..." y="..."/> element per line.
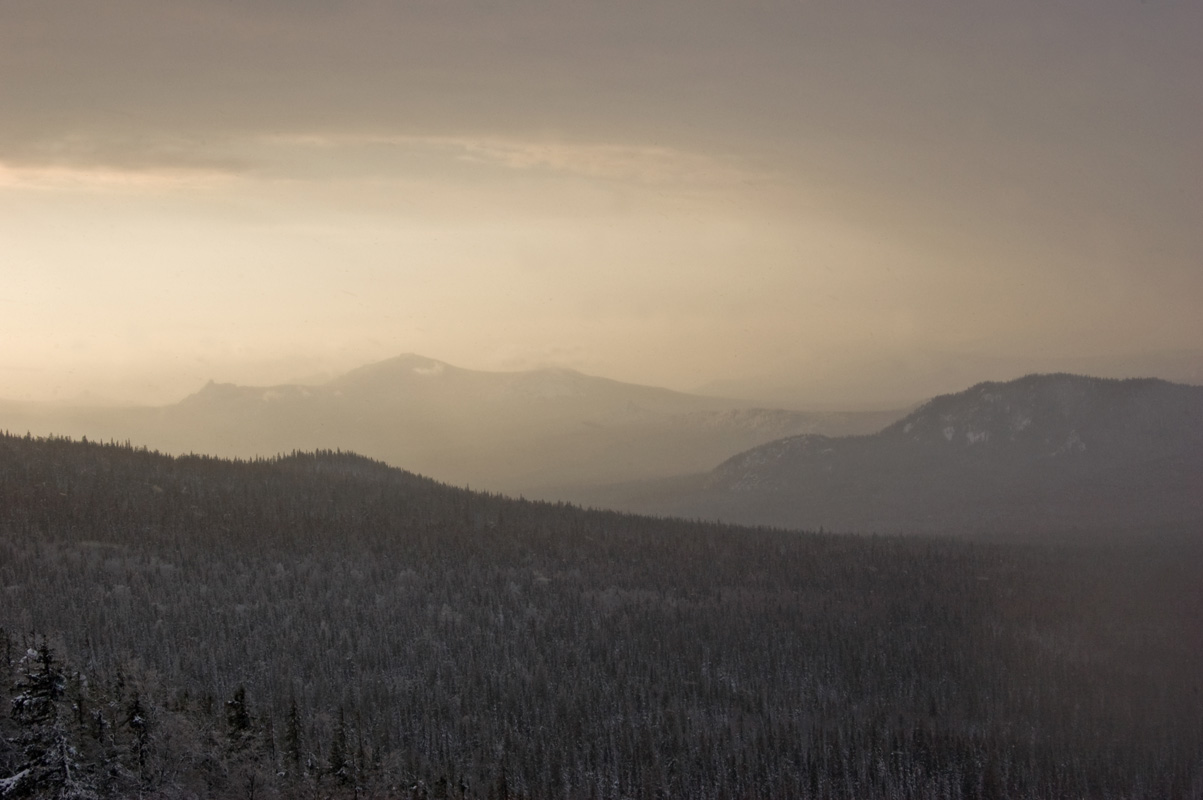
<point x="1042" y="453"/>
<point x="535" y="432"/>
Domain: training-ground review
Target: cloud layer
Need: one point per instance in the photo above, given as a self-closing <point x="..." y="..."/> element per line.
<point x="670" y="192"/>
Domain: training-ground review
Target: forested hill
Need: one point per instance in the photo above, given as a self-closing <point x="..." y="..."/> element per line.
<point x="320" y="625"/>
<point x="1037" y="455"/>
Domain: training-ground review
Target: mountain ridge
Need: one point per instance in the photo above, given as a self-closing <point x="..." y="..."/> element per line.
<point x="1041" y="452"/>
<point x="524" y="432"/>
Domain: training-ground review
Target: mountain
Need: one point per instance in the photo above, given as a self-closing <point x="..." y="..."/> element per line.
<point x="1043" y="453"/>
<point x="538" y="432"/>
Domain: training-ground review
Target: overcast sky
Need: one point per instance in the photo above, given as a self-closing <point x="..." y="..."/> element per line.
<point x="840" y="197"/>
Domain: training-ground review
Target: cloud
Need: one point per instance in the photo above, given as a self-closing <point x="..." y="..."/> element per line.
<point x="97" y="161"/>
<point x="642" y="164"/>
<point x="53" y="177"/>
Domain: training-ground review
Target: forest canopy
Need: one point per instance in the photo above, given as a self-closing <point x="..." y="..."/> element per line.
<point x="323" y="625"/>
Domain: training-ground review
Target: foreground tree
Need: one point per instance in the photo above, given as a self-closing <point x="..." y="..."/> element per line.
<point x="49" y="763"/>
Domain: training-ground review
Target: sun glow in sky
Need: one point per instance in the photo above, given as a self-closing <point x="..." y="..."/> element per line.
<point x="669" y="193"/>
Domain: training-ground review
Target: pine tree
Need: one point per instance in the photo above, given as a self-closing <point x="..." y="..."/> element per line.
<point x="49" y="764"/>
<point x="238" y="722"/>
<point x="7" y="647"/>
<point x="244" y="745"/>
<point x="292" y="735"/>
<point x="339" y="767"/>
<point x="136" y="721"/>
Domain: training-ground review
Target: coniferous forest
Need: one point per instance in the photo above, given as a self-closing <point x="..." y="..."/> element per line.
<point x="321" y="625"/>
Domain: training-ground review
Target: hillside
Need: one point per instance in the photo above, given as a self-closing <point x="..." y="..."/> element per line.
<point x="323" y="625"/>
<point x="1042" y="453"/>
<point x="531" y="433"/>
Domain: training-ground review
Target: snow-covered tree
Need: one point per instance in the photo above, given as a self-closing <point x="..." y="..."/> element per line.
<point x="49" y="764"/>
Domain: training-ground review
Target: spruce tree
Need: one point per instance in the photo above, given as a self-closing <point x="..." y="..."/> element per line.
<point x="292" y="735"/>
<point x="136" y="721"/>
<point x="238" y="722"/>
<point x="339" y="767"/>
<point x="49" y="761"/>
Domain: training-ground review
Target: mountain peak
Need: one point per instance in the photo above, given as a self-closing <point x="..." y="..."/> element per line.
<point x="405" y="367"/>
<point x="1054" y="412"/>
<point x="213" y="391"/>
<point x="1043" y="452"/>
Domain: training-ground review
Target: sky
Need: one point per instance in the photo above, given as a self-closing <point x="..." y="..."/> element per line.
<point x="826" y="202"/>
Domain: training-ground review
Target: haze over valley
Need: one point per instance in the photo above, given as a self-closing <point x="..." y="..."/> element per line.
<point x="533" y="432"/>
<point x="589" y="401"/>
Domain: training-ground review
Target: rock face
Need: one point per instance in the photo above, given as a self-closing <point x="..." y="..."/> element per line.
<point x="1045" y="452"/>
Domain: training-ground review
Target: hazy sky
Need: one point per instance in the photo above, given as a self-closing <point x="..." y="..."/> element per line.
<point x="664" y="192"/>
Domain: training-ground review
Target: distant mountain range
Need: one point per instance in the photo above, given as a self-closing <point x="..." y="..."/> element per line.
<point x="1042" y="453"/>
<point x="540" y="433"/>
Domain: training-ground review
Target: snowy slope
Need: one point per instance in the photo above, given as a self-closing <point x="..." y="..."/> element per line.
<point x="1042" y="452"/>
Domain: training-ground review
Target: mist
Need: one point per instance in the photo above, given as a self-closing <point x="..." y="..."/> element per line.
<point x="852" y="202"/>
<point x="497" y="400"/>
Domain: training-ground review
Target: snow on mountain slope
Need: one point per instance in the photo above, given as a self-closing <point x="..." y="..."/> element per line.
<point x="1041" y="452"/>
